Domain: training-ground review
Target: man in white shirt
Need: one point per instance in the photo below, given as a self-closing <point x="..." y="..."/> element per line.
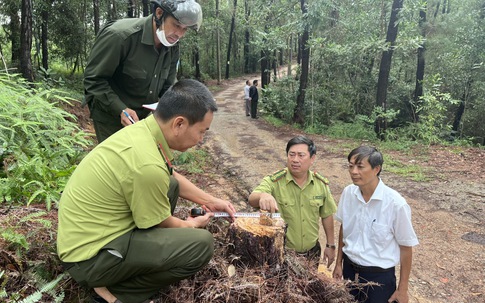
<point x="376" y="232"/>
<point x="247" y="99"/>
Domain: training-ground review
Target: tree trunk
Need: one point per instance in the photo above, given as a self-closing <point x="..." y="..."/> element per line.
<point x="114" y="10"/>
<point x="461" y="108"/>
<point x="257" y="242"/>
<point x="298" y="53"/>
<point x="130" y="9"/>
<point x="229" y="44"/>
<point x="146" y="10"/>
<point x="26" y="41"/>
<point x="247" y="55"/>
<point x="275" y="65"/>
<point x="218" y="45"/>
<point x="198" y="75"/>
<point x="290" y="55"/>
<point x="44" y="36"/>
<point x="334" y="17"/>
<point x="96" y="16"/>
<point x="299" y="113"/>
<point x="418" y="91"/>
<point x="111" y="9"/>
<point x="437" y="9"/>
<point x="265" y="68"/>
<point x="14" y="37"/>
<point x="385" y="67"/>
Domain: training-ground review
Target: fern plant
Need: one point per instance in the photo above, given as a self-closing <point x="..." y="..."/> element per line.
<point x="46" y="287"/>
<point x="40" y="143"/>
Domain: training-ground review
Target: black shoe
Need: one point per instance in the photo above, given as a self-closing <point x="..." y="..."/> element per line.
<point x="247" y="115"/>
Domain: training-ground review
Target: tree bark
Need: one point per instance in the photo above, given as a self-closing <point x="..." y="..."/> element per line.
<point x="385" y="67"/>
<point x="229" y="44"/>
<point x="299" y="113"/>
<point x="26" y="41"/>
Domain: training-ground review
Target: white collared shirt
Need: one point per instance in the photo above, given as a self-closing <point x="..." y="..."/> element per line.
<point x="373" y="231"/>
<point x="246" y="91"/>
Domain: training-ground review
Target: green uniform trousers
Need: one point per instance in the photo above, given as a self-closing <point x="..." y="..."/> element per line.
<point x="138" y="264"/>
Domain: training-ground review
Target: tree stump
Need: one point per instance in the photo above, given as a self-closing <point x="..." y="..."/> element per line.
<point x="257" y="241"/>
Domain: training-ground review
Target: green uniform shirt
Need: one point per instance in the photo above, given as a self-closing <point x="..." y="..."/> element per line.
<point x="125" y="69"/>
<point x="301" y="208"/>
<point x="120" y="185"/>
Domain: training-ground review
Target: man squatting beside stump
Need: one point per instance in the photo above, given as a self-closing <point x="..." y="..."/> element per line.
<point x="117" y="233"/>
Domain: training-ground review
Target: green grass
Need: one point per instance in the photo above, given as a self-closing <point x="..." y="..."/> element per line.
<point x="274" y="121"/>
<point x="409" y="170"/>
<point x="193" y="161"/>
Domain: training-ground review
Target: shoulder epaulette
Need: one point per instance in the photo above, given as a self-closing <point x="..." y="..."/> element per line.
<point x="278" y="175"/>
<point x="320" y="177"/>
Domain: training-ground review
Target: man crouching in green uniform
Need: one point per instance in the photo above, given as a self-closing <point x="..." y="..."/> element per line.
<point x="302" y="197"/>
<point x="116" y="229"/>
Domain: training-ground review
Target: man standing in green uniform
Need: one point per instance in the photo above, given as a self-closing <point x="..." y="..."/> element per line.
<point x="133" y="62"/>
<point x="116" y="230"/>
<point x="302" y="197"/>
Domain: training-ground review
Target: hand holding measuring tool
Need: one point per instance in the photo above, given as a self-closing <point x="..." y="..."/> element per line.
<point x="195" y="212"/>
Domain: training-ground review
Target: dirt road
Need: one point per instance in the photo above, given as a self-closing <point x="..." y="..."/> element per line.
<point x="446" y="210"/>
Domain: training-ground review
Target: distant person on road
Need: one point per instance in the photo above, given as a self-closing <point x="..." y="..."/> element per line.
<point x="117" y="233"/>
<point x="303" y="198"/>
<point x="376" y="233"/>
<point x="247" y="99"/>
<point x="253" y="94"/>
<point x="133" y="62"/>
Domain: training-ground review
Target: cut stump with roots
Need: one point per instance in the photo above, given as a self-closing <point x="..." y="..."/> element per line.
<point x="257" y="242"/>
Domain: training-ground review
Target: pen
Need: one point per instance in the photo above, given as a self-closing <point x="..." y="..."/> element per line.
<point x="129" y="117"/>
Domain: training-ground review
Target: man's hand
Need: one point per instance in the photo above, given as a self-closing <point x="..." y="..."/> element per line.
<point x="399" y="296"/>
<point x="329" y="255"/>
<point x="200" y="221"/>
<point x="217" y="204"/>
<point x="267" y="202"/>
<point x="338" y="272"/>
<point x="125" y="121"/>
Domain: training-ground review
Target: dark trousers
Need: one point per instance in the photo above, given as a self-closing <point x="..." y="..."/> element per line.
<point x="254" y="109"/>
<point x="138" y="264"/>
<point x="386" y="278"/>
<point x="104" y="130"/>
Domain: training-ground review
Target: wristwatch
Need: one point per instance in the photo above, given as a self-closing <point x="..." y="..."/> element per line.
<point x="332" y="246"/>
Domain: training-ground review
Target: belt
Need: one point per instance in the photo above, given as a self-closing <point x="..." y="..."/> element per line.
<point x="359" y="268"/>
<point x="314" y="251"/>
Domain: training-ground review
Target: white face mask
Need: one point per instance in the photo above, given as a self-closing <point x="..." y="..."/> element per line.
<point x="163" y="39"/>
